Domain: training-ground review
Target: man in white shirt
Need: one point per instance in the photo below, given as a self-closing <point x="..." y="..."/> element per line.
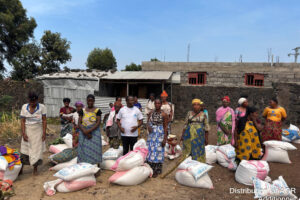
<point x="130" y="118"/>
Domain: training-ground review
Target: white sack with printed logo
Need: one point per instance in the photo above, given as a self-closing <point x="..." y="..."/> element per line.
<point x="113" y="154"/>
<point x="226" y="156"/>
<point x="278" y="188"/>
<point x="248" y="169"/>
<point x="183" y="177"/>
<point x="76" y="171"/>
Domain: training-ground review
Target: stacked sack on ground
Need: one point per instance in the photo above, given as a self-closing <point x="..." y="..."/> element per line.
<point x="276" y="151"/>
<point x="72" y="178"/>
<point x="10" y="163"/>
<point x="110" y="156"/>
<point x="249" y="169"/>
<point x="64" y="155"/>
<point x="193" y="173"/>
<point x="172" y="148"/>
<point x="278" y="189"/>
<point x="131" y="168"/>
<point x="292" y="134"/>
<point x="226" y="156"/>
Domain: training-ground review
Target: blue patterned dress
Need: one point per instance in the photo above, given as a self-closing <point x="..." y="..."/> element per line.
<point x="90" y="150"/>
<point x="156" y="152"/>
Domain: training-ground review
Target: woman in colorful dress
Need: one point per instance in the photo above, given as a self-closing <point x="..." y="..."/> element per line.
<point x="248" y="143"/>
<point x="90" y="142"/>
<point x="158" y="133"/>
<point x="274" y="115"/>
<point x="166" y="107"/>
<point x="33" y="126"/>
<point x="225" y="118"/>
<point x="195" y="132"/>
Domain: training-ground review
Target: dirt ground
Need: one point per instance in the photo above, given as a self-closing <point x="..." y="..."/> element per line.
<point x="31" y="187"/>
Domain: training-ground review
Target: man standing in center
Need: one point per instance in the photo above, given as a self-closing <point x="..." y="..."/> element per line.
<point x="130" y="118"/>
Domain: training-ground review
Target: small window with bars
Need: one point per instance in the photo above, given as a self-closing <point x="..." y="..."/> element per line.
<point x="254" y="80"/>
<point x="197" y="78"/>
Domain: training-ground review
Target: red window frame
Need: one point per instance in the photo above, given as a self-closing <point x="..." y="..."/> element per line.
<point x="197" y="78"/>
<point x="255" y="80"/>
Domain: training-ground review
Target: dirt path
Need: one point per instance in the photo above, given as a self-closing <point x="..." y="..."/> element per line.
<point x="29" y="187"/>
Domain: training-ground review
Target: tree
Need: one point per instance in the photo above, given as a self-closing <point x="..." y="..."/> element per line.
<point x="102" y="59"/>
<point x="54" y="52"/>
<point x="15" y="30"/>
<point x="154" y="60"/>
<point x="133" y="67"/>
<point x="26" y="63"/>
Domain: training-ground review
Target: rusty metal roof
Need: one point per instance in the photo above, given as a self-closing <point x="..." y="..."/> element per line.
<point x="139" y="75"/>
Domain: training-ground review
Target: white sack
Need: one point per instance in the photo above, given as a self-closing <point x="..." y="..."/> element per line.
<point x="57" y="148"/>
<point x="135" y="176"/>
<point x="279" y="144"/>
<point x="183" y="177"/>
<point x="248" y="169"/>
<point x="77" y="184"/>
<point x="3" y="163"/>
<point x="107" y="164"/>
<point x="63" y="165"/>
<point x="76" y="171"/>
<point x="68" y="140"/>
<point x="274" y="154"/>
<point x="113" y="154"/>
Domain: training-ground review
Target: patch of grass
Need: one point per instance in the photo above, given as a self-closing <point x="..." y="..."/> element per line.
<point x="10" y="126"/>
<point x="53" y="120"/>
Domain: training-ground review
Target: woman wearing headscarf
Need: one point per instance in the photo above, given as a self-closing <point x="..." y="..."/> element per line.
<point x="166" y="107"/>
<point x="225" y="118"/>
<point x="195" y="132"/>
<point x="157" y="126"/>
<point x="248" y="143"/>
<point x="33" y="126"/>
<point x="90" y="141"/>
<point x="274" y="116"/>
<point x="241" y="110"/>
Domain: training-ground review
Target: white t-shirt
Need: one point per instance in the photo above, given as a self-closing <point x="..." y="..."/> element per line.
<point x="36" y="116"/>
<point x="129" y="118"/>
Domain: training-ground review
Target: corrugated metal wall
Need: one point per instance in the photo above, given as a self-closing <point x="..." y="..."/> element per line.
<point x="57" y="89"/>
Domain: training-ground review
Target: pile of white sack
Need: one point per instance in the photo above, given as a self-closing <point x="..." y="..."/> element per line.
<point x="68" y="140"/>
<point x="226" y="156"/>
<point x="6" y="173"/>
<point x="172" y="152"/>
<point x="56" y="149"/>
<point x="72" y="178"/>
<point x="276" y="151"/>
<point x="292" y="134"/>
<point x="131" y="168"/>
<point x="278" y="188"/>
<point x="193" y="173"/>
<point x="249" y="169"/>
<point x="211" y="154"/>
<point x="110" y="156"/>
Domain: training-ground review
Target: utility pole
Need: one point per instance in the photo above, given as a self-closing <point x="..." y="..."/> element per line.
<point x="241" y="58"/>
<point x="188" y="53"/>
<point x="269" y="54"/>
<point x="296" y="54"/>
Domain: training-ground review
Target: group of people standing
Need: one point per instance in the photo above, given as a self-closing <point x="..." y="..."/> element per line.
<point x="240" y="128"/>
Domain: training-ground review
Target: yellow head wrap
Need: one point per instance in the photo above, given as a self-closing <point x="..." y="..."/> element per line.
<point x="197" y="101"/>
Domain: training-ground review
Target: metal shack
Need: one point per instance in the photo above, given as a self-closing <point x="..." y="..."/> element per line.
<point x="74" y="85"/>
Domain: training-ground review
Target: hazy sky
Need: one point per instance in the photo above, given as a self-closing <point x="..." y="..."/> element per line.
<point x="137" y="30"/>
